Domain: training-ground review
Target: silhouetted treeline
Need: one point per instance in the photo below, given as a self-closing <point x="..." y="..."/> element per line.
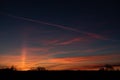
<point x="12" y="68"/>
<point x="107" y="72"/>
<point x="106" y="67"/>
<point x="38" y="69"/>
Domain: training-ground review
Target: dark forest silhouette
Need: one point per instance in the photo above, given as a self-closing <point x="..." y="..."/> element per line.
<point x="41" y="73"/>
<point x="106" y="67"/>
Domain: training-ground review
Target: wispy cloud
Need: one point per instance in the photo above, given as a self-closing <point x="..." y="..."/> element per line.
<point x="9" y="60"/>
<point x="50" y="42"/>
<point x="97" y="49"/>
<point x="93" y="35"/>
<point x="82" y="52"/>
<point x="97" y="36"/>
<point x="39" y="49"/>
<point x="74" y="40"/>
<point x="58" y="42"/>
<point x="73" y="62"/>
<point x="80" y="59"/>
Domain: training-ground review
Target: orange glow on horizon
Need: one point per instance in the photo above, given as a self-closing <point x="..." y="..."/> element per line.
<point x="25" y="62"/>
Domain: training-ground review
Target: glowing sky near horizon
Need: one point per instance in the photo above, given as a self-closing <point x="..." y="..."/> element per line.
<point x="83" y="35"/>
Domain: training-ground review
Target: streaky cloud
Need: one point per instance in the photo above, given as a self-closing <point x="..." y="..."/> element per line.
<point x="73" y="40"/>
<point x="93" y="35"/>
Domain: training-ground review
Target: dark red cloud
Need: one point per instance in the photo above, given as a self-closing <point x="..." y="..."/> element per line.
<point x="74" y="40"/>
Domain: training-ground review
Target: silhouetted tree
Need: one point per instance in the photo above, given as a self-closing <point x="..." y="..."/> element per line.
<point x="13" y="68"/>
<point x="117" y="70"/>
<point x="106" y="67"/>
<point x="38" y="69"/>
<point x="41" y="69"/>
<point x="101" y="69"/>
<point x="6" y="68"/>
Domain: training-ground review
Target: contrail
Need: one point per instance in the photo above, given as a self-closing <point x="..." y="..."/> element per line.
<point x="60" y="26"/>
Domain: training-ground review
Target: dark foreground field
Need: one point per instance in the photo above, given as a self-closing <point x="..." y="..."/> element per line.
<point x="60" y="75"/>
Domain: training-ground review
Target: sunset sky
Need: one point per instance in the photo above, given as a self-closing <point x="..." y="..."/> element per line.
<point x="59" y="35"/>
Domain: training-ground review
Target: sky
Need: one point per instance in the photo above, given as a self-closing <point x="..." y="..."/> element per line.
<point x="57" y="35"/>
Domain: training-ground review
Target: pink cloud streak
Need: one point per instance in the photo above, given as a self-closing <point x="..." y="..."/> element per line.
<point x="74" y="40"/>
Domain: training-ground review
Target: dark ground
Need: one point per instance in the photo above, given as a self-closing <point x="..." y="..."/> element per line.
<point x="61" y="75"/>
